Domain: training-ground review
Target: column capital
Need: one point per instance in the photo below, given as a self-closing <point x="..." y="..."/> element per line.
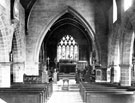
<point x="112" y="65"/>
<point x="9" y="63"/>
<point x="125" y="65"/>
<point x="18" y="62"/>
<point x="5" y="63"/>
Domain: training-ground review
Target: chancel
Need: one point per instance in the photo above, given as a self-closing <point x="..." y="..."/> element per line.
<point x="67" y="51"/>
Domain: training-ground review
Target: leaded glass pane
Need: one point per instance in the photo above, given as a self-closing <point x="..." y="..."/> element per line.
<point x="67" y="48"/>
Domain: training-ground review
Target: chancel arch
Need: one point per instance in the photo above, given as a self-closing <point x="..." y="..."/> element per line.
<point x="67" y="39"/>
<point x="82" y="22"/>
<point x="72" y="25"/>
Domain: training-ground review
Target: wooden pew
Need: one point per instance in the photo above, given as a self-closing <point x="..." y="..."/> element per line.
<point x="36" y="80"/>
<point x="26" y="92"/>
<point x="22" y="95"/>
<point x="48" y="86"/>
<point x="94" y="93"/>
<point x="85" y="87"/>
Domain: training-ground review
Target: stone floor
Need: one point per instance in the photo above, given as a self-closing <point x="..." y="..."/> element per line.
<point x="65" y="93"/>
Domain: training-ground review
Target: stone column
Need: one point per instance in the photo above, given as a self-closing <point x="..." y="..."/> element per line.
<point x="120" y="8"/>
<point x="55" y="76"/>
<point x="32" y="68"/>
<point x="116" y="73"/>
<point x="109" y="74"/>
<point x="18" y="72"/>
<point x="5" y="75"/>
<point x="125" y="75"/>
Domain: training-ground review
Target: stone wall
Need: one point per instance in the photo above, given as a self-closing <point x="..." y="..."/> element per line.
<point x="46" y="12"/>
<point x="19" y="53"/>
<point x="6" y="31"/>
<point x="103" y="23"/>
<point x="121" y="47"/>
<point x="43" y="15"/>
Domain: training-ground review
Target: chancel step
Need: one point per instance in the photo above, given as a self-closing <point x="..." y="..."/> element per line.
<point x="69" y="76"/>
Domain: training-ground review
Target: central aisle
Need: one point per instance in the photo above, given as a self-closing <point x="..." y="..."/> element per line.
<point x="65" y="96"/>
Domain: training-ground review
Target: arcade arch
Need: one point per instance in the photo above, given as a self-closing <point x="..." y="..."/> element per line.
<point x="77" y="19"/>
<point x="67" y="26"/>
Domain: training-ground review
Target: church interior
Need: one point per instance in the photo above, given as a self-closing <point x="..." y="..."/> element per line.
<point x="56" y="51"/>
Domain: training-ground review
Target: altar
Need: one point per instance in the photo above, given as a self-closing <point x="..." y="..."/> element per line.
<point x="67" y="68"/>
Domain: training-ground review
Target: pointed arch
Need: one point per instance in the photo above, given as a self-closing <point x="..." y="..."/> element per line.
<point x="127" y="36"/>
<point x="56" y="17"/>
<point x="4" y="57"/>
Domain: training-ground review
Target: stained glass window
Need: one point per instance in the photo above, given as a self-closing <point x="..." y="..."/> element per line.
<point x="67" y="48"/>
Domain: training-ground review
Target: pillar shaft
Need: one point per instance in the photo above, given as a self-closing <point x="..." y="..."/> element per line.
<point x="125" y="75"/>
<point x="5" y="75"/>
<point x="120" y="8"/>
<point x="18" y="72"/>
<point x="116" y="73"/>
<point x="109" y="74"/>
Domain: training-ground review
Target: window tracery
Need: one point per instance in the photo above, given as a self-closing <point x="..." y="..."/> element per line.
<point x="67" y="48"/>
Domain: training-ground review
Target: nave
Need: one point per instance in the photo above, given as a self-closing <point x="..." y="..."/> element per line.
<point x="85" y="92"/>
<point x="45" y="41"/>
<point x="65" y="97"/>
<point x="62" y="96"/>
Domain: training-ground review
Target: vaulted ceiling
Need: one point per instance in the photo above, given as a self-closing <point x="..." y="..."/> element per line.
<point x="27" y="4"/>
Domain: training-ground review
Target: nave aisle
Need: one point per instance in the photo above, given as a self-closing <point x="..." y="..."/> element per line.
<point x="65" y="96"/>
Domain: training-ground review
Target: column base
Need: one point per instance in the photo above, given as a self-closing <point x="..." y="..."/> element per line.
<point x="5" y="75"/>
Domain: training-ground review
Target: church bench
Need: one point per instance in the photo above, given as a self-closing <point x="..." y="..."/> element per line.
<point x="11" y="94"/>
<point x="24" y="96"/>
<point x="42" y="91"/>
<point x="90" y="91"/>
<point x="109" y="97"/>
<point x="90" y="86"/>
<point x="32" y="86"/>
<point x="48" y="86"/>
<point x="17" y="97"/>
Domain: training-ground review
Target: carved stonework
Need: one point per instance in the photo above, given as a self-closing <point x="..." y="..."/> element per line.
<point x="32" y="79"/>
<point x="14" y="23"/>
